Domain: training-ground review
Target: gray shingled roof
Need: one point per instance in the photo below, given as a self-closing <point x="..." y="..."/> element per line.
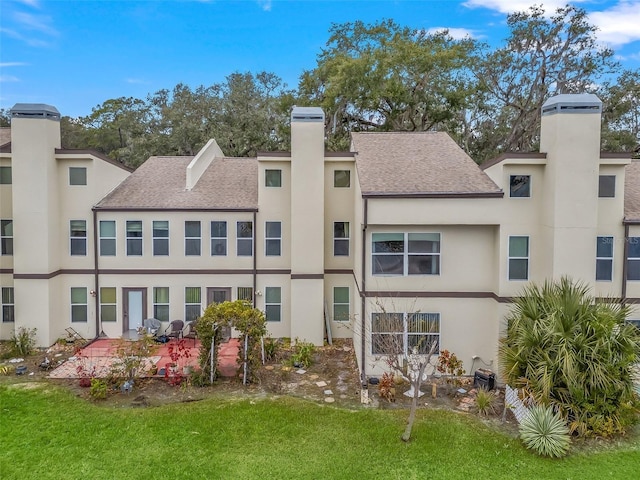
<point x="5" y="135"/>
<point x="228" y="183"/>
<point x="632" y="192"/>
<point x="417" y="163"/>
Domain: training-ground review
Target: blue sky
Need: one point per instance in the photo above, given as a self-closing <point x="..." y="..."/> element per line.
<point x="77" y="54"/>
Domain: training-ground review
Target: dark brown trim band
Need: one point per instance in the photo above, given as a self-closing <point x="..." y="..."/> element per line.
<point x="307" y="276"/>
<point x="404" y="294"/>
<point x="47" y="276"/>
<point x="93" y="153"/>
<point x="6" y="270"/>
<point x="338" y="271"/>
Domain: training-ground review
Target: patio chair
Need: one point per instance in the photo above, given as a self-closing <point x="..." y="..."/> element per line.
<point x="189" y="331"/>
<point x="152" y="325"/>
<point x="174" y="330"/>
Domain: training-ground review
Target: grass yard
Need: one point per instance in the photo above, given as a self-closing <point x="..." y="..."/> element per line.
<point x="46" y="433"/>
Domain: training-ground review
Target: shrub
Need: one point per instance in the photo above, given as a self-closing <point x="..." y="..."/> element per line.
<point x="486" y="401"/>
<point x="98" y="389"/>
<point x="449" y="364"/>
<point x="271" y="348"/>
<point x="387" y="387"/>
<point x="302" y="354"/>
<point x="573" y="352"/>
<point x="23" y="341"/>
<point x="545" y="432"/>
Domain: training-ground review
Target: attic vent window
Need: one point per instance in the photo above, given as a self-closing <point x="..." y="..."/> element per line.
<point x="580" y="107"/>
<point x="308" y="118"/>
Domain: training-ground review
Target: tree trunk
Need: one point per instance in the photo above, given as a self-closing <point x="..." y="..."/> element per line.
<point x="406" y="436"/>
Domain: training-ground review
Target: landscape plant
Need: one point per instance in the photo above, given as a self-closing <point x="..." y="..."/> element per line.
<point x="242" y="316"/>
<point x="545" y="432"/>
<point x="22" y="341"/>
<point x="450" y="366"/>
<point x="98" y="389"/>
<point x="302" y="355"/>
<point x="486" y="401"/>
<point x="132" y="358"/>
<point x="574" y="353"/>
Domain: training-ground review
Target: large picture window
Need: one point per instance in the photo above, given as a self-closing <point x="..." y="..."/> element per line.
<point x="633" y="259"/>
<point x="244" y="239"/>
<point x="218" y="238"/>
<point x="107" y="230"/>
<point x="604" y="259"/>
<point x="78" y="237"/>
<point x="79" y="309"/>
<point x="108" y="310"/>
<point x="518" y="258"/>
<point x="134" y="238"/>
<point x="192" y="238"/>
<point x="160" y="230"/>
<point x="405" y="253"/>
<point x="399" y="333"/>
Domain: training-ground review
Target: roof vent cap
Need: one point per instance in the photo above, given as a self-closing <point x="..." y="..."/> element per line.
<point x="35" y="110"/>
<point x="307" y="114"/>
<point x="572" y="103"/>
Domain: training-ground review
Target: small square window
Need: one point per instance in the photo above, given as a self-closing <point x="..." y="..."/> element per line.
<point x="5" y="175"/>
<point x="77" y="176"/>
<point x="520" y="186"/>
<point x="607" y="186"/>
<point x="342" y="178"/>
<point x="273" y="178"/>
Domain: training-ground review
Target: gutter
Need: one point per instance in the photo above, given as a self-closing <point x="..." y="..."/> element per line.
<point x="363" y="375"/>
<point x="96" y="277"/>
<point x="255" y="261"/>
<point x="625" y="256"/>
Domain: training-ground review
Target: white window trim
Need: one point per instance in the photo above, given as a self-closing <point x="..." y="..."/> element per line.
<point x="527" y="258"/>
<point x="346" y="239"/>
<point x="105" y="304"/>
<point x="114" y="238"/>
<point x="71" y="304"/>
<point x="140" y="238"/>
<point x="3" y="304"/>
<point x="86" y="181"/>
<point x="245" y="239"/>
<point x="348" y="304"/>
<point x="405" y="253"/>
<point x="6" y="237"/>
<point x="279" y="305"/>
<point x="212" y="238"/>
<point x="199" y="304"/>
<point x="199" y="238"/>
<point x="154" y="238"/>
<point x="610" y="259"/>
<point x="266" y="171"/>
<point x="405" y="331"/>
<point x="72" y="238"/>
<point x="159" y="304"/>
<point x="272" y="239"/>
<point x="632" y="259"/>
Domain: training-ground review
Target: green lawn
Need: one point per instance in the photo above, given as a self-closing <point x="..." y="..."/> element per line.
<point x="46" y="433"/>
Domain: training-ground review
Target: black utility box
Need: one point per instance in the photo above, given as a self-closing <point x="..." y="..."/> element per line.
<point x="484" y="379"/>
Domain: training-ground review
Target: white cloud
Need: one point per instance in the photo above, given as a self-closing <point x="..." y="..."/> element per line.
<point x="136" y="81"/>
<point x="8" y="78"/>
<point x="618" y="25"/>
<point x="265" y="5"/>
<point x="31" y="3"/>
<point x="456" y="33"/>
<point x="39" y="23"/>
<point x="510" y="6"/>
<point x="12" y="64"/>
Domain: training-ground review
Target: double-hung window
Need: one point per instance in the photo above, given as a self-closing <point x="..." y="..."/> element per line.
<point x="273" y="239"/>
<point x="341" y="239"/>
<point x="400" y="333"/>
<point x="6" y="237"/>
<point x="79" y="308"/>
<point x="192" y="238"/>
<point x="161" y="303"/>
<point x="108" y="311"/>
<point x="134" y="238"/>
<point x="633" y="259"/>
<point x="518" y="258"/>
<point x="192" y="303"/>
<point x="8" y="305"/>
<point x="604" y="259"/>
<point x="107" y="230"/>
<point x="160" y="230"/>
<point x="244" y="232"/>
<point x="405" y="253"/>
<point x="78" y="237"/>
<point x="341" y="303"/>
<point x="218" y="238"/>
<point x="273" y="304"/>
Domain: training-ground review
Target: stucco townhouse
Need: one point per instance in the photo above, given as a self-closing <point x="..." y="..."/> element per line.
<point x="403" y="225"/>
